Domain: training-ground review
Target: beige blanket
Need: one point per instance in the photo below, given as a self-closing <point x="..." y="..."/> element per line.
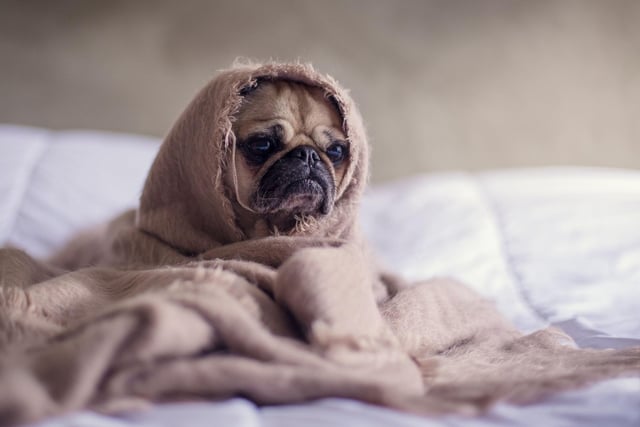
<point x="173" y="302"/>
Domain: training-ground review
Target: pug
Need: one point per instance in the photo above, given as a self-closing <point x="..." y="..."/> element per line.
<point x="291" y="154"/>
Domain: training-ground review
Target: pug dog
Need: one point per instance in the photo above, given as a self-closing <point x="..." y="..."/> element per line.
<point x="291" y="154"/>
<point x="280" y="168"/>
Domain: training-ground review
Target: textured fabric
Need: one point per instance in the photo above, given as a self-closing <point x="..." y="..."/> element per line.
<point x="491" y="245"/>
<point x="195" y="310"/>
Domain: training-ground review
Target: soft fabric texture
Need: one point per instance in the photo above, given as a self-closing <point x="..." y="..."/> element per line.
<point x="181" y="306"/>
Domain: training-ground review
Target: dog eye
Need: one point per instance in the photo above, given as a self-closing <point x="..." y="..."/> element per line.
<point x="337" y="152"/>
<point x="261" y="145"/>
<point x="259" y="148"/>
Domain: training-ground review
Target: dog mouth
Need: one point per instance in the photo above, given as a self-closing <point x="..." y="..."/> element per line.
<point x="305" y="186"/>
<point x="300" y="197"/>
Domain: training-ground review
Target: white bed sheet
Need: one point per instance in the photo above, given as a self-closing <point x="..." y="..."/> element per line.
<point x="551" y="246"/>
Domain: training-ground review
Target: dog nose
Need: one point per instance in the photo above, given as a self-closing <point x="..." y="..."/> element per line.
<point x="306" y="153"/>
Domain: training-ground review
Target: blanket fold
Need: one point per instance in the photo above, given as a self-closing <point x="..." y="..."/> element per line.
<point x="173" y="301"/>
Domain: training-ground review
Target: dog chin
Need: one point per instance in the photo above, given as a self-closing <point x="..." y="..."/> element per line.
<point x="303" y="197"/>
<point x="284" y="205"/>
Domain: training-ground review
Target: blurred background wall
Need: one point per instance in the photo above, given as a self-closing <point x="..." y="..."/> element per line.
<point x="447" y="84"/>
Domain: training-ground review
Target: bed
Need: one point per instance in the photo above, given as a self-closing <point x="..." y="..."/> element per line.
<point x="556" y="246"/>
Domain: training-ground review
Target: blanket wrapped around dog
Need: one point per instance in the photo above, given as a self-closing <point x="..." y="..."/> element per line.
<point x="173" y="301"/>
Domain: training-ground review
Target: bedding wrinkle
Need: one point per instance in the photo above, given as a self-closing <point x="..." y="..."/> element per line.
<point x="501" y="234"/>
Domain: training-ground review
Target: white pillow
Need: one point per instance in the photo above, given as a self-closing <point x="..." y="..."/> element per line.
<point x="54" y="183"/>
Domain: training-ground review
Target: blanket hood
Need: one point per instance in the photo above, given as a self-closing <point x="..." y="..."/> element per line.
<point x="185" y="202"/>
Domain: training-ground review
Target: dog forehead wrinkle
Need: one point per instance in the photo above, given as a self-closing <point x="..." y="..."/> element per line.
<point x="316" y="110"/>
<point x="300" y="108"/>
<point x="306" y="106"/>
<point x="324" y="136"/>
<point x="277" y="127"/>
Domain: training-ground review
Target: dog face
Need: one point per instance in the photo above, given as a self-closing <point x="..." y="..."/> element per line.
<point x="291" y="154"/>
